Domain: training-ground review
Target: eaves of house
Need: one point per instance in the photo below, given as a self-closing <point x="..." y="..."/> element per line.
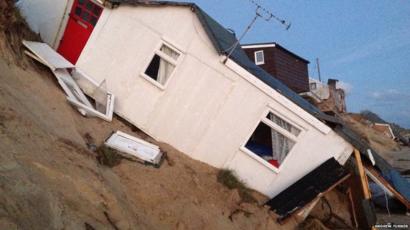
<point x="276" y="45"/>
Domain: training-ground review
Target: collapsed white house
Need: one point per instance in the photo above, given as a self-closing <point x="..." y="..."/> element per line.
<point x="166" y="63"/>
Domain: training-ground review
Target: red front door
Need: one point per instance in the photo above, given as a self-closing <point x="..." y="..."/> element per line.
<point x="82" y="19"/>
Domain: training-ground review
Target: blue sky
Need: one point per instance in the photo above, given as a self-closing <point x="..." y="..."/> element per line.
<point x="365" y="44"/>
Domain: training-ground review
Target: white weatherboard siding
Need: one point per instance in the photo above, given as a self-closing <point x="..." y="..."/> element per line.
<point x="207" y="110"/>
<point x="46" y="17"/>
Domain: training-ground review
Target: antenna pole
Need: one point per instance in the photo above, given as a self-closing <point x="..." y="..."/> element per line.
<point x="266" y="15"/>
<point x="318" y="69"/>
<point x="243" y="34"/>
<point x="271" y="15"/>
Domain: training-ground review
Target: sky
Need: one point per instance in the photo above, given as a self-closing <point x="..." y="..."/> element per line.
<point x="365" y="44"/>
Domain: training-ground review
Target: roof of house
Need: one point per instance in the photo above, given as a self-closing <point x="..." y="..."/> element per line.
<point x="386" y="126"/>
<point x="307" y="188"/>
<point x="223" y="41"/>
<point x="273" y="44"/>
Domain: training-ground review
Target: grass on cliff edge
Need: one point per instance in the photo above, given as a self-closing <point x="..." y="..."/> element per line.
<point x="228" y="178"/>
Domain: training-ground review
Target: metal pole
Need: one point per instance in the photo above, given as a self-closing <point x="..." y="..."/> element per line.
<point x="244" y="33"/>
<point x="318" y="69"/>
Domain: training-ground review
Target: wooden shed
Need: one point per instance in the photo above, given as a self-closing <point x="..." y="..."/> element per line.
<point x="285" y="65"/>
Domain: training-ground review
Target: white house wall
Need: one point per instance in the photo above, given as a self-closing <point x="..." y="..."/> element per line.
<point x="207" y="110"/>
<point x="46" y="17"/>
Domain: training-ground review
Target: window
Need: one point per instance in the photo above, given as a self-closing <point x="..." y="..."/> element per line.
<point x="85" y="16"/>
<point x="273" y="139"/>
<point x="313" y="86"/>
<point x="78" y="11"/>
<point x="87" y="12"/>
<point x="89" y="5"/>
<point x="162" y="64"/>
<point x="283" y="124"/>
<point x="259" y="57"/>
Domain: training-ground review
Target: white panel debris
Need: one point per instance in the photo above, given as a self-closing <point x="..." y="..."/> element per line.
<point x="135" y="147"/>
<point x="369" y="153"/>
<point x="47" y="55"/>
<point x="71" y="89"/>
<point x="104" y="100"/>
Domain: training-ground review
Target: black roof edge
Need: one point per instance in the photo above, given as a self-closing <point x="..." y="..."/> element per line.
<point x="201" y="15"/>
<point x="278" y="46"/>
<point x="195" y="8"/>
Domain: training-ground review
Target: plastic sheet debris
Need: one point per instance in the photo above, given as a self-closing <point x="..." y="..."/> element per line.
<point x="104" y="101"/>
<point x="135" y="147"/>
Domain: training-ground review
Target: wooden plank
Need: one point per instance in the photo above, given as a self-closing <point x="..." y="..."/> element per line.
<point x="356" y="191"/>
<point x="362" y="174"/>
<point x="377" y="181"/>
<point x="352" y="209"/>
<point x="400" y="197"/>
<point x="363" y="177"/>
<point x="303" y="213"/>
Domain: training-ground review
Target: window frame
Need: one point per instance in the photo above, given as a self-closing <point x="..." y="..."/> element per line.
<point x="278" y="129"/>
<point x="263" y="57"/>
<point x="91" y="13"/>
<point x="157" y="51"/>
<point x="313" y="84"/>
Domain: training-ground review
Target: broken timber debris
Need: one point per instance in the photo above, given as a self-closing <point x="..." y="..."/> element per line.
<point x="385" y="185"/>
<point x="135" y="147"/>
<point x="104" y="107"/>
<point x="298" y="197"/>
<point x="367" y="206"/>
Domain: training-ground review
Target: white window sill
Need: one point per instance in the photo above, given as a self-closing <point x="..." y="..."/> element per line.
<point x="259" y="159"/>
<point x="152" y="81"/>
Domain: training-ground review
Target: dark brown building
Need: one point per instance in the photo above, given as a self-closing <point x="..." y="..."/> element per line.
<point x="280" y="63"/>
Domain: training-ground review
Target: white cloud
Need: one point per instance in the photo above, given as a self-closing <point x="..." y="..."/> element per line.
<point x="389" y="95"/>
<point x="387" y="43"/>
<point x="391" y="104"/>
<point x="347" y="87"/>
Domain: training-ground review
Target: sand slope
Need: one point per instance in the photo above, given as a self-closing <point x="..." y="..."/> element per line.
<point x="50" y="180"/>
